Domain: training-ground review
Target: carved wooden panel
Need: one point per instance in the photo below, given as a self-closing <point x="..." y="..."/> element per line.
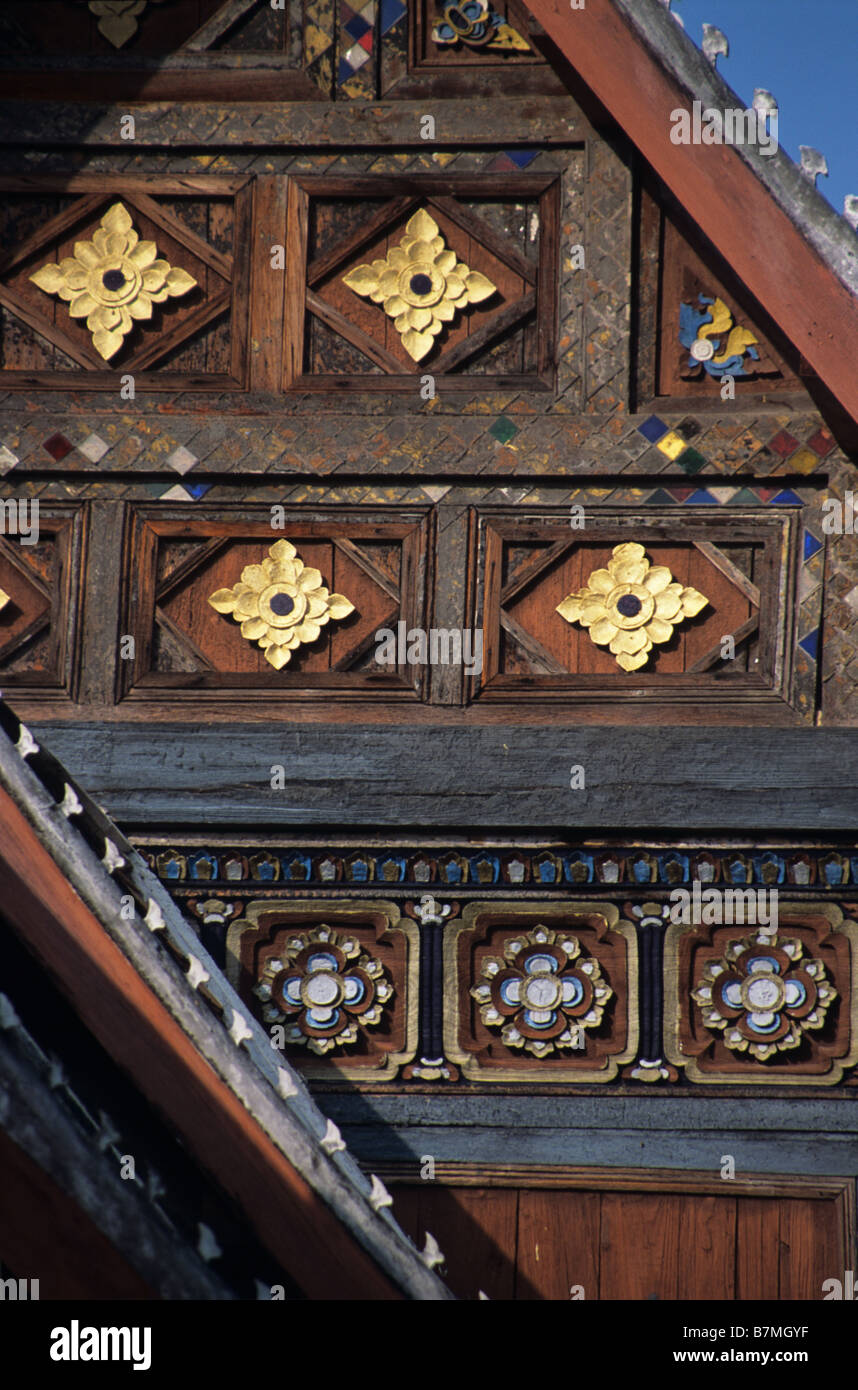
<point x="184" y="49"/>
<point x="335" y="983"/>
<point x="774" y="1004"/>
<point x="285" y="606"/>
<point x="124" y="285"/>
<point x="389" y="280"/>
<point x="41" y="567"/>
<point x="547" y="989"/>
<point x="707" y="326"/>
<point x="453" y="49"/>
<point x="649" y="576"/>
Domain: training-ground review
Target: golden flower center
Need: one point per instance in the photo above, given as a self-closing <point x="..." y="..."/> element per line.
<point x="763" y="992"/>
<point x="322" y="990"/>
<point x="115" y="280"/>
<point x="421" y="283"/>
<point x="630" y="605"/>
<point x="282" y="604"/>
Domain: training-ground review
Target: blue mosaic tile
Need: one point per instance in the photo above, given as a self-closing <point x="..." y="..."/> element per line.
<point x="787" y="498"/>
<point x="661" y="498"/>
<point x="391" y="13"/>
<point x="204" y="866"/>
<point x="702" y="498"/>
<point x="652" y="429"/>
<point x="357" y="27"/>
<point x="197" y="490"/>
<point x="811" y="545"/>
<point x="810" y="644"/>
<point x="521" y="158"/>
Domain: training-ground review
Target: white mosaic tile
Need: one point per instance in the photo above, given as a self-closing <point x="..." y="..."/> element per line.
<point x="181" y="459"/>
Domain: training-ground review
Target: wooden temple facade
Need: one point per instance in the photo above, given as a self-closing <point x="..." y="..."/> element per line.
<point x="428" y="552"/>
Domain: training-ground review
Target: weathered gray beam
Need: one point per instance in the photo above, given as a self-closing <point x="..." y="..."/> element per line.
<point x="764" y="1135"/>
<point x="352" y="124"/>
<point x="685" y="780"/>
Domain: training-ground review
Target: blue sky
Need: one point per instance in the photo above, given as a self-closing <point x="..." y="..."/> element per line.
<point x="805" y="52"/>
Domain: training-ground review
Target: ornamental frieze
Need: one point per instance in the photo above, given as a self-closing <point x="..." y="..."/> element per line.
<point x="334" y="983"/>
<point x="775" y="1006"/>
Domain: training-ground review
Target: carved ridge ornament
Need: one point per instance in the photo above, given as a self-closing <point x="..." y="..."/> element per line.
<point x="544" y="994"/>
<point x="117" y="19"/>
<point x="630" y="605"/>
<point x="113" y="280"/>
<point x="762" y="995"/>
<point x="281" y="603"/>
<point x="324" y="990"/>
<point x="475" y="23"/>
<point x="420" y="284"/>
<point x="698" y="328"/>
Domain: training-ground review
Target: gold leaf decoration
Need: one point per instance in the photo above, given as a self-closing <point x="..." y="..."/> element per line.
<point x="420" y="284"/>
<point x="281" y="603"/>
<point x="630" y="605"/>
<point x="4" y="599"/>
<point x="112" y="280"/>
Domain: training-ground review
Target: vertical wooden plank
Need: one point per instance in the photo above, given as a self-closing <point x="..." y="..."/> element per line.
<point x="558" y="1244"/>
<point x="757" y="1249"/>
<point x="810" y="1247"/>
<point x="476" y="1229"/>
<point x="296" y="283"/>
<point x="268" y="286"/>
<point x="707" y="1248"/>
<point x="639" y="1246"/>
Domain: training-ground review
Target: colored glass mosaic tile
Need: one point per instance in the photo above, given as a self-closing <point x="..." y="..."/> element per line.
<point x="783" y="443"/>
<point x="703" y="498"/>
<point x="660" y="498"/>
<point x="503" y="430"/>
<point x="811" y="545"/>
<point x="391" y="13"/>
<point x="521" y="158"/>
<point x="804" y="461"/>
<point x="744" y="496"/>
<point x="787" y="498"/>
<point x="58" y="446"/>
<point x="652" y="429"/>
<point x="672" y="445"/>
<point x="822" y="442"/>
<point x="7" y="459"/>
<point x="810" y="644"/>
<point x="690" y="461"/>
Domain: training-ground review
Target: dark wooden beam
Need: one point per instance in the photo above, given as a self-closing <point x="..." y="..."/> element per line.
<point x="689" y="780"/>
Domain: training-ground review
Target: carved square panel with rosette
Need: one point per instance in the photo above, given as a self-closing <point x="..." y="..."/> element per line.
<point x="774" y="1004"/>
<point x="542" y="992"/>
<point x="335" y="983"/>
<point x="390" y="281"/>
<point x="139" y="282"/>
<point x="224" y="607"/>
<point x="40" y="586"/>
<point x="689" y="609"/>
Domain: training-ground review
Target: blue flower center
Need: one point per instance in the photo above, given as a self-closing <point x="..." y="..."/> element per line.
<point x="629" y="606"/>
<point x="113" y="279"/>
<point x="282" y="605"/>
<point x="420" y="284"/>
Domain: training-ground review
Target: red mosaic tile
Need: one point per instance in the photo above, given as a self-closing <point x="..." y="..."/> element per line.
<point x="784" y="444"/>
<point x="58" y="446"/>
<point x="821" y="442"/>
